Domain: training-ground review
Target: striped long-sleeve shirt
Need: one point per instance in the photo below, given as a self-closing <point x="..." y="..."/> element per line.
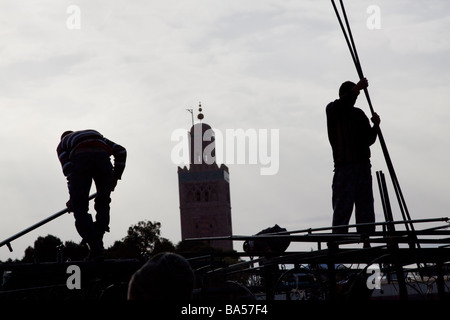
<point x="90" y="139"/>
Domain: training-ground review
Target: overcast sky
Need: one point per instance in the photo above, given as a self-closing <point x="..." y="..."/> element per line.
<point x="132" y="68"/>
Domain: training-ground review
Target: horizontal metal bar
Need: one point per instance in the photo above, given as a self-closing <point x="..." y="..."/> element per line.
<point x="381" y="223"/>
<point x="7" y="241"/>
<point x="324" y="237"/>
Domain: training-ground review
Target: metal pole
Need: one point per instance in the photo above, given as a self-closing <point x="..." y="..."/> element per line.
<point x="385" y="198"/>
<point x="310" y="230"/>
<point x="7" y="241"/>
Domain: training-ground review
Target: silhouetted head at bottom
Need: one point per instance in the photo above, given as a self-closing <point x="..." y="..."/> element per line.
<point x="166" y="276"/>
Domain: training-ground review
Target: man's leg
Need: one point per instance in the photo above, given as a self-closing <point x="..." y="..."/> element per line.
<point x="343" y="198"/>
<point x="80" y="182"/>
<point x="364" y="207"/>
<point x="103" y="178"/>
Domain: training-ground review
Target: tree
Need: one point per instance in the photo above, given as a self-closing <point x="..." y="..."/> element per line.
<point x="144" y="235"/>
<point x="142" y="239"/>
<point x="51" y="249"/>
<point x="44" y="250"/>
<point x="74" y="251"/>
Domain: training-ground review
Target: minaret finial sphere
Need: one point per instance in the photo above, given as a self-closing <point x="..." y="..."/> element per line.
<point x="200" y="115"/>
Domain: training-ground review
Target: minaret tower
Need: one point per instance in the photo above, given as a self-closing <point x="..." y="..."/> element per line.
<point x="204" y="189"/>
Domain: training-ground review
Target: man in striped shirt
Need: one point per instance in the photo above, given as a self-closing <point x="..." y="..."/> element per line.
<point x="85" y="157"/>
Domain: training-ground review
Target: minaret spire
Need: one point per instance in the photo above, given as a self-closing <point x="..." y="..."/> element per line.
<point x="192" y="115"/>
<point x="200" y="115"/>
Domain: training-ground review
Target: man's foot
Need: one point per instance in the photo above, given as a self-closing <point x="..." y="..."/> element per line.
<point x="332" y="246"/>
<point x="96" y="252"/>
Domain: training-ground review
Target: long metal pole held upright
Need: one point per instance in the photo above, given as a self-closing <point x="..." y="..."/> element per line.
<point x="352" y="47"/>
<point x="7" y="241"/>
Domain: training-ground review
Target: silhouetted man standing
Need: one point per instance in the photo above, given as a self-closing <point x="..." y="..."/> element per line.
<point x="351" y="135"/>
<point x="85" y="156"/>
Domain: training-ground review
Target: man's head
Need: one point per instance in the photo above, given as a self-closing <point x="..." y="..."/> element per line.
<point x="166" y="276"/>
<point x="345" y="88"/>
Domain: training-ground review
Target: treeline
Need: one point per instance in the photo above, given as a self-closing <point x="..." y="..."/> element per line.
<point x="142" y="240"/>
